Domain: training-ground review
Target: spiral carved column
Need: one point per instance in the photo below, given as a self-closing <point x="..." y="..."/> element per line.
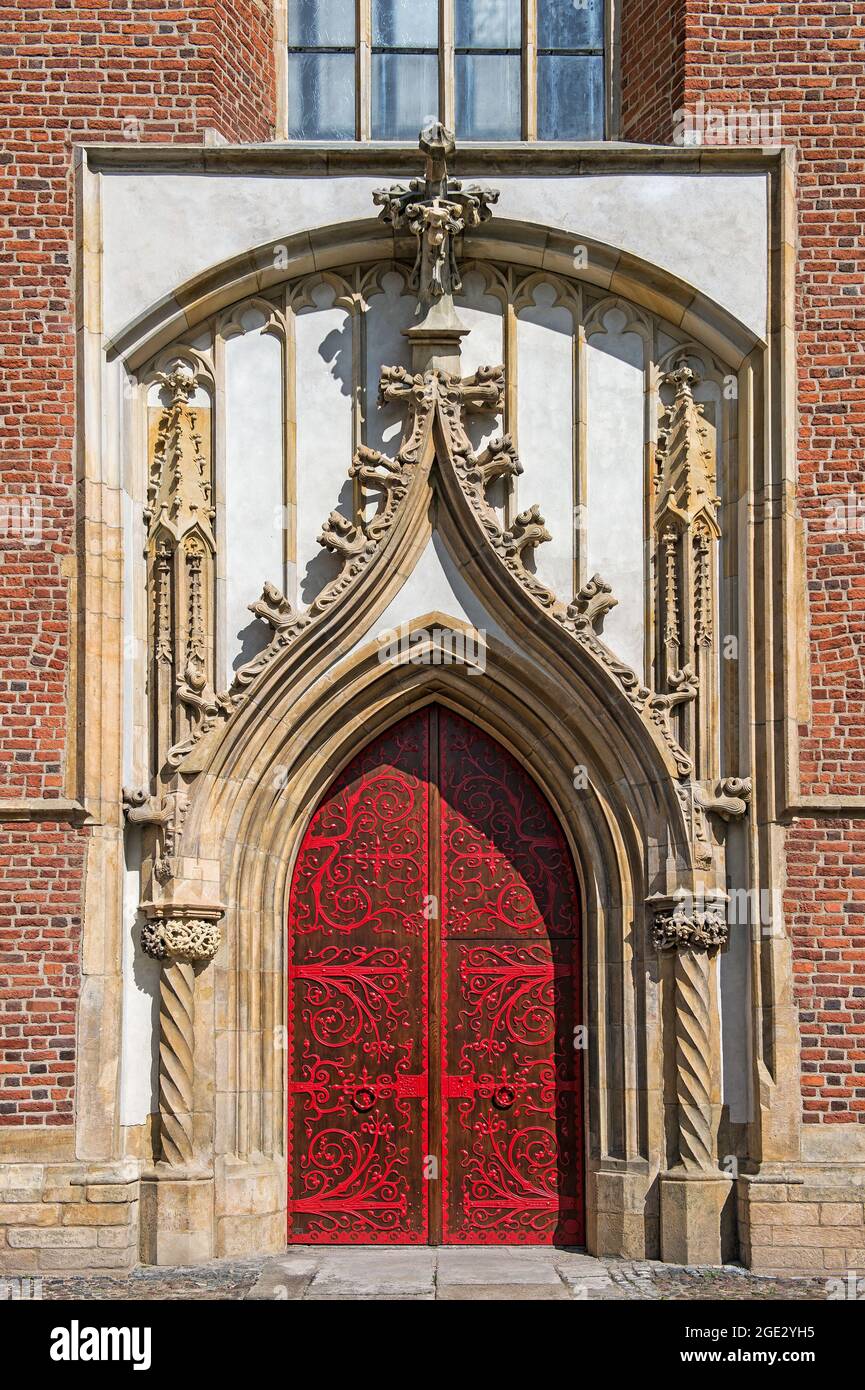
<point x="693" y="1073"/>
<point x="179" y="943"/>
<point x="694" y="937"/>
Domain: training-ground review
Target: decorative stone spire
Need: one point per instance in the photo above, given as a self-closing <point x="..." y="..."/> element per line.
<point x="436" y="209"/>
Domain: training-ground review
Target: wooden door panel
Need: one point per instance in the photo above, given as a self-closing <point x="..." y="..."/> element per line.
<point x="357" y="1011"/>
<point x="507" y="870"/>
<point x="511" y="1099"/>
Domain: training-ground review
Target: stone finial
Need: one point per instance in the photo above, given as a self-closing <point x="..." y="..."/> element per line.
<point x="436" y="209"/>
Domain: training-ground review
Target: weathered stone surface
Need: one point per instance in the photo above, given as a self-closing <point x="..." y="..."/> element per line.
<point x="98" y="1214"/>
<point x="57" y="1237"/>
<point x="841" y="1214"/>
<point x="24" y="1214"/>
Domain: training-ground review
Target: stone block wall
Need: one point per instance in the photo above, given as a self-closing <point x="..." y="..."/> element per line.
<point x="57" y="1217"/>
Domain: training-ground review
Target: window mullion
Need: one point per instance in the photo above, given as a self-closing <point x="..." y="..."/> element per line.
<point x="447" y="100"/>
<point x="363" y="69"/>
<point x="530" y="69"/>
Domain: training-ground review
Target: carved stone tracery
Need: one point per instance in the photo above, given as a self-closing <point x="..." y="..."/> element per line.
<point x="686" y="532"/>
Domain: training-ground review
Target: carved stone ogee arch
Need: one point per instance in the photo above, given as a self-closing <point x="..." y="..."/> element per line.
<point x="480" y="246"/>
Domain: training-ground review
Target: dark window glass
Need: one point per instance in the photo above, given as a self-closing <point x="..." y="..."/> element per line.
<point x="570" y="23"/>
<point x="321" y="70"/>
<point x="570" y="97"/>
<point x="405" y="67"/>
<point x="321" y="96"/>
<point x="405" y="94"/>
<point x="487" y="69"/>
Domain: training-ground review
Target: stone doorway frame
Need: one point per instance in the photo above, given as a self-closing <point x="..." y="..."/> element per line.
<point x="774" y="568"/>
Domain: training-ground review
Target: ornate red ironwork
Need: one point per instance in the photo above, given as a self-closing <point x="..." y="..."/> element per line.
<point x="509" y="979"/>
<point x="357" y="1007"/>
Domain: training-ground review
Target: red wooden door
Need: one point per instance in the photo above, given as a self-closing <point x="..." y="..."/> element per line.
<point x="434" y="990"/>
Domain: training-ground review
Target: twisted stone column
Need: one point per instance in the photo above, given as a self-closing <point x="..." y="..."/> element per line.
<point x="694" y="936"/>
<point x="178" y="943"/>
<point x="693" y="1073"/>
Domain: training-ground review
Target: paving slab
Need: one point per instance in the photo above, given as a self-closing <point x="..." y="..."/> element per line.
<point x="364" y="1273"/>
<point x="495" y="1266"/>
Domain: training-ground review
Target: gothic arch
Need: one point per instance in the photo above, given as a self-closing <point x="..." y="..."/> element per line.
<point x="255" y="823"/>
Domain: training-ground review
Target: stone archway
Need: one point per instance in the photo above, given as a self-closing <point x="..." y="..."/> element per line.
<point x="254" y="761"/>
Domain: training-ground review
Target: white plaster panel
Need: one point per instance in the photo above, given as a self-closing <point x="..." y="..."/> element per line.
<point x="483" y="346"/>
<point x="162" y="229"/>
<point x="254" y="511"/>
<point x="388" y="315"/>
<point x="324" y="433"/>
<point x="709" y="230"/>
<point x="435" y="585"/>
<point x="614" y="519"/>
<point x="545" y="406"/>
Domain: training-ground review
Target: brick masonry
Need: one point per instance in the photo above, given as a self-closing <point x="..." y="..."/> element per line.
<point x="71" y="72"/>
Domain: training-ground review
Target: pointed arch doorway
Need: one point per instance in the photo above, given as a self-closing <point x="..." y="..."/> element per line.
<point x="434" y="993"/>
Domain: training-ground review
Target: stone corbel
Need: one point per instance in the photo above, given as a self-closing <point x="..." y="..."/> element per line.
<point x="729" y="800"/>
<point x="181" y="939"/>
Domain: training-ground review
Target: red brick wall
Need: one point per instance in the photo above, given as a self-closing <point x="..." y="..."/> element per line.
<point x="808" y="60"/>
<point x="652" y="71"/>
<point x="72" y="71"/>
<point x="40" y="931"/>
<point x="826" y="913"/>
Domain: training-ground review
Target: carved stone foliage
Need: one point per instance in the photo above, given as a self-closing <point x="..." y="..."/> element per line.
<point x="686" y="532"/>
<point x="181" y="938"/>
<point x="701" y="927"/>
<point x="165" y="816"/>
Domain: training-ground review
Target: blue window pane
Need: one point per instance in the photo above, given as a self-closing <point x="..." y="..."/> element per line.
<point x="570" y="23"/>
<point x="488" y="96"/>
<point x="321" y="96"/>
<point x="488" y="24"/>
<point x="570" y="98"/>
<point x="404" y="94"/>
<point x="321" y="23"/>
<point x="405" y="23"/>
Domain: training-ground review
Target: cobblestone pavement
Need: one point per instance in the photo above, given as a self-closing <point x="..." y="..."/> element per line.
<point x="320" y="1273"/>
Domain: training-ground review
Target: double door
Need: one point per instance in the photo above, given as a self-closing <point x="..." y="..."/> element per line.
<point x="434" y="1086"/>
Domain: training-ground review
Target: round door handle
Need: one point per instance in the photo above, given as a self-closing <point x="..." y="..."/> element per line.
<point x="363" y="1098"/>
<point x="504" y="1097"/>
